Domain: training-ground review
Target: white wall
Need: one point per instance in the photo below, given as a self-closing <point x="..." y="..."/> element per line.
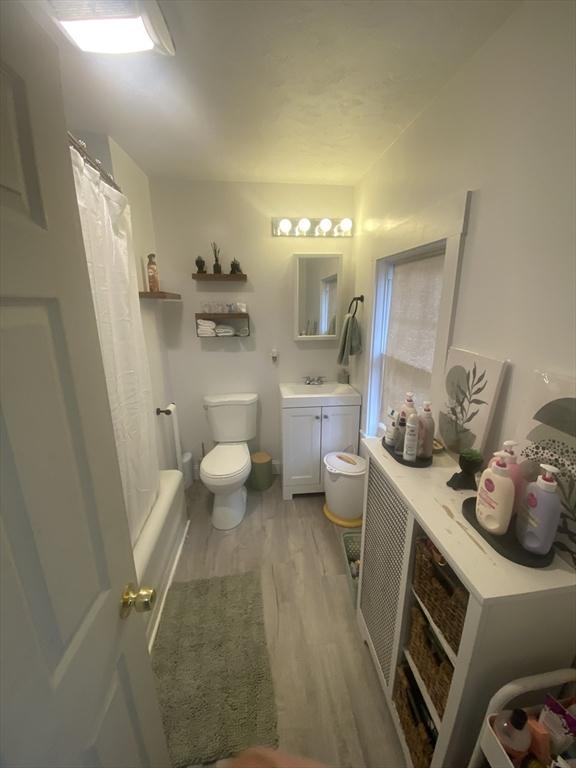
<point x="187" y="217"/>
<point x="503" y="126"/>
<point x="134" y="184"/>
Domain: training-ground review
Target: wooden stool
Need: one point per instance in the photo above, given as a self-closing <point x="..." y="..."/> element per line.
<point x="261" y="474"/>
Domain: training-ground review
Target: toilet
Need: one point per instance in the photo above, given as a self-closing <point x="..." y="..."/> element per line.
<point x="226" y="467"/>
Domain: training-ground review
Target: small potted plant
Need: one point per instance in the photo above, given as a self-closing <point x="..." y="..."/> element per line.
<point x="470" y="462"/>
<point x="200" y="265"/>
<point x="217" y="268"/>
<point x="235" y="268"/>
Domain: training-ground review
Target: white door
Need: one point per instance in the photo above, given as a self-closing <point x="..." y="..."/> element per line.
<point x="301" y="429"/>
<point x="340" y="425"/>
<point x="76" y="684"/>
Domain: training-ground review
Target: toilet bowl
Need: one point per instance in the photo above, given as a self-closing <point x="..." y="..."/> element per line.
<point x="225" y="469"/>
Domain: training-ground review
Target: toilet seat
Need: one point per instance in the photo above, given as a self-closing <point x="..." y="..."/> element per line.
<point x="225" y="461"/>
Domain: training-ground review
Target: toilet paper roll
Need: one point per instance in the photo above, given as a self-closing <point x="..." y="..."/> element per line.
<point x="176" y="431"/>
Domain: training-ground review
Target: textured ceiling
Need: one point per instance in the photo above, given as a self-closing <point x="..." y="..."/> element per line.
<point x="276" y="90"/>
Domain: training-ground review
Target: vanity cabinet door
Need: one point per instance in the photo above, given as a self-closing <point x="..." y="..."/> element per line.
<point x="301" y="429"/>
<point x="340" y="424"/>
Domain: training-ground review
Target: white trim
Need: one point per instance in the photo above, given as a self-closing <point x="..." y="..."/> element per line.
<point x="168" y="585"/>
<point x="444" y="222"/>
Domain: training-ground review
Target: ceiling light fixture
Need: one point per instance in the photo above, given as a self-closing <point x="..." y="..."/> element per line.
<point x="307" y="227"/>
<point x="113" y="26"/>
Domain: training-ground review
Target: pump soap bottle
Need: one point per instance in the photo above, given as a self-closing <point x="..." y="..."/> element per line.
<point x="408" y="407"/>
<point x="495" y="498"/>
<point x="515" y="472"/>
<point x="538" y="520"/>
<point x="426" y="432"/>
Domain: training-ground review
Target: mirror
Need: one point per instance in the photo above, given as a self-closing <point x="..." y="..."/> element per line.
<point x="317" y="306"/>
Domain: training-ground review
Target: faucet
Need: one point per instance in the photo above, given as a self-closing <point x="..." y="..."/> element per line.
<point x="313" y="380"/>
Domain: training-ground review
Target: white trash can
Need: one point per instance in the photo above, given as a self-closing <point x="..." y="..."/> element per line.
<point x="344" y="475"/>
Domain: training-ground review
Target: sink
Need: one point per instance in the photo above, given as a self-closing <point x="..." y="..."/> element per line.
<point x="297" y="395"/>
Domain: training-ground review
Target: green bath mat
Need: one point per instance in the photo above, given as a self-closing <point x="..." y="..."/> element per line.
<point x="213" y="671"/>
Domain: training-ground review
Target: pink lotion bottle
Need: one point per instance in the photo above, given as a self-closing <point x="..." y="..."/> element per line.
<point x="495" y="498"/>
<point x="537" y="521"/>
<point x="514" y="471"/>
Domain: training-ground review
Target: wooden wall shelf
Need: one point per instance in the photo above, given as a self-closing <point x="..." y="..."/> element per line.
<point x="208" y="278"/>
<point x="162" y="295"/>
<point x="222" y="318"/>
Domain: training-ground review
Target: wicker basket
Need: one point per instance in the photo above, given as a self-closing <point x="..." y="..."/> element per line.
<point x="433" y="664"/>
<point x="420" y="746"/>
<point x="441" y="592"/>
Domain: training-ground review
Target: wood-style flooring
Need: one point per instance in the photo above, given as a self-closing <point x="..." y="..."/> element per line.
<point x="330" y="705"/>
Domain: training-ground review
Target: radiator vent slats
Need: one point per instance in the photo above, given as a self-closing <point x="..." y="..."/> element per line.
<point x="385" y="535"/>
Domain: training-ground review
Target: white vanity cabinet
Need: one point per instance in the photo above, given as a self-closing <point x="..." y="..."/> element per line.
<point x="513" y="621"/>
<point x="308" y="434"/>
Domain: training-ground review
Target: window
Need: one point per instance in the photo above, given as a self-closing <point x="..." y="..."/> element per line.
<point x="408" y="295"/>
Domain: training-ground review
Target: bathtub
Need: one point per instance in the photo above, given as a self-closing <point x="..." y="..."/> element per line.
<point x="158" y="548"/>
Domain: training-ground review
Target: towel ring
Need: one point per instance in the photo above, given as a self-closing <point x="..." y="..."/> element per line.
<point x="355" y="301"/>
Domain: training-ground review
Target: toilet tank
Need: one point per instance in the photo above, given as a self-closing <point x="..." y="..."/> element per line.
<point x="232" y="418"/>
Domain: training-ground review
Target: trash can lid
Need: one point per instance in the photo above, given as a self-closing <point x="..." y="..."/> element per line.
<point x="345" y="463"/>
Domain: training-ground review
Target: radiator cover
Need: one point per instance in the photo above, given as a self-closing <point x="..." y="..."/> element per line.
<point x="383" y="556"/>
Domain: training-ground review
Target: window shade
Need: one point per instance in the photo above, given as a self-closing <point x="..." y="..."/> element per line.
<point x="411" y="336"/>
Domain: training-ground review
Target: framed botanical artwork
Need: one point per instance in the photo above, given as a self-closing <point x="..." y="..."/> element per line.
<point x="472" y="385"/>
<point x="547" y="434"/>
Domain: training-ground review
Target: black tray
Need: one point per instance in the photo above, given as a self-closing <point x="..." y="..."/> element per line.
<point x="508" y="545"/>
<point x="418" y="464"/>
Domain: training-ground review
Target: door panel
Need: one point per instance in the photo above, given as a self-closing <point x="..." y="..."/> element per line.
<point x="301" y="429"/>
<point x="76" y="684"/>
<point x="340" y="425"/>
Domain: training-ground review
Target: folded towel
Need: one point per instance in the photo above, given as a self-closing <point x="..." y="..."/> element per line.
<point x="225" y="333"/>
<point x="206" y="323"/>
<point x="350" y="340"/>
<point x="225" y="330"/>
<point x="243" y="332"/>
<point x="206" y="332"/>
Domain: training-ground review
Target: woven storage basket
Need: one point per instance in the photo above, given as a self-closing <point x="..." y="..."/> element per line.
<point x="421" y="749"/>
<point x="441" y="592"/>
<point x="433" y="664"/>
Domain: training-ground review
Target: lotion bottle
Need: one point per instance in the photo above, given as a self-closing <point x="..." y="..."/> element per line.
<point x="426" y="432"/>
<point x="400" y="434"/>
<point x="411" y="438"/>
<point x="538" y="519"/>
<point x="514" y="471"/>
<point x="408" y="407"/>
<point x="495" y="499"/>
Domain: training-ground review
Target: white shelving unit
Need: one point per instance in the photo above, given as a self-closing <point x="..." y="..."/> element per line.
<point x="519" y="621"/>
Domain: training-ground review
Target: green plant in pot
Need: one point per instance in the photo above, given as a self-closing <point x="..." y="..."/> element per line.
<point x="470" y="462"/>
<point x="217" y="267"/>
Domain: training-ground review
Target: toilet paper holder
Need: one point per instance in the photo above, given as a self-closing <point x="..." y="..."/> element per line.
<point x="165" y="411"/>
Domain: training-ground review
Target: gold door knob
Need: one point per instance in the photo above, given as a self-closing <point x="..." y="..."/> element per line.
<point x="141" y="600"/>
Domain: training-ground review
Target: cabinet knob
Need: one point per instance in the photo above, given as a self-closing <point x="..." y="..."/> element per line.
<point x="326" y="416"/>
<point x="317" y="418"/>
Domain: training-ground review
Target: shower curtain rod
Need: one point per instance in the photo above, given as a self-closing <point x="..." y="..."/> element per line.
<point x="80" y="147"/>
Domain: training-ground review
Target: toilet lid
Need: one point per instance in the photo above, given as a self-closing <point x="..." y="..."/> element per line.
<point x="226" y="460"/>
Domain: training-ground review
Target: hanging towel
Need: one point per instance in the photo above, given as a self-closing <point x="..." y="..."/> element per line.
<point x="350" y="340"/>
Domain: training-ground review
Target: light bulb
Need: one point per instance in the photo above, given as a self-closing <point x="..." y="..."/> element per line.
<point x="325" y="225"/>
<point x="346" y="225"/>
<point x="304" y="225"/>
<point x="122" y="35"/>
<point x="285" y="225"/>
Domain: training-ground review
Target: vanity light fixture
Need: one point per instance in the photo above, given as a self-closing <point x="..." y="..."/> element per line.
<point x="122" y="26"/>
<point x="285" y="226"/>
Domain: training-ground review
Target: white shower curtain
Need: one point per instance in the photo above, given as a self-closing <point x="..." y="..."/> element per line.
<point x="107" y="233"/>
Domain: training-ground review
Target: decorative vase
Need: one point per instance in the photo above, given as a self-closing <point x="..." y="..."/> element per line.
<point x="217" y="268"/>
<point x="466" y="480"/>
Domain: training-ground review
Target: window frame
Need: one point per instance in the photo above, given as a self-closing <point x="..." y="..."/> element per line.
<point x="383" y="282"/>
